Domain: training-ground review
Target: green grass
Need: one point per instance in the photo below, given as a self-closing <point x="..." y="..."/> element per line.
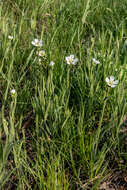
<point x="64" y="128"/>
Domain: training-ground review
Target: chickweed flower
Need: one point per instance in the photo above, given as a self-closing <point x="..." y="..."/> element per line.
<point x="13" y="92"/>
<point x="111" y="81"/>
<point x="10" y="37"/>
<point x="51" y="63"/>
<point x="71" y="60"/>
<point x="37" y="43"/>
<point x="41" y="53"/>
<point x="96" y="61"/>
<point x="39" y="61"/>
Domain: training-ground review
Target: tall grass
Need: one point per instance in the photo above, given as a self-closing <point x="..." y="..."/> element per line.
<point x="64" y="128"/>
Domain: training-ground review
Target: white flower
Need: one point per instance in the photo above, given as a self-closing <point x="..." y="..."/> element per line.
<point x="96" y="61"/>
<point x="42" y="53"/>
<point x="37" y="43"/>
<point x="10" y="37"/>
<point x="39" y="62"/>
<point x="51" y="63"/>
<point x="13" y="92"/>
<point x="71" y="60"/>
<point x="111" y="81"/>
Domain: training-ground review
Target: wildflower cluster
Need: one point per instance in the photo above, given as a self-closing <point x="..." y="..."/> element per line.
<point x="71" y="60"/>
<point x="41" y="53"/>
<point x="111" y="82"/>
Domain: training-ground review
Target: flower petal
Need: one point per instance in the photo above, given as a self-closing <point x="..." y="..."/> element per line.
<point x="71" y="56"/>
<point x="76" y="60"/>
<point x="33" y="43"/>
<point x="66" y="58"/>
<point x="112" y="78"/>
<point x="10" y="37"/>
<point x="115" y="82"/>
<point x="36" y="40"/>
<point x="96" y="61"/>
<point x="52" y="63"/>
<point x="113" y="86"/>
<point x="107" y="79"/>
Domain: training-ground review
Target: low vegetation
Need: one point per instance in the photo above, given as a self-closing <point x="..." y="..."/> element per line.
<point x="63" y="94"/>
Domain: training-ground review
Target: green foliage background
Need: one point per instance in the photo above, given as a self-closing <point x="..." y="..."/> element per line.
<point x="64" y="128"/>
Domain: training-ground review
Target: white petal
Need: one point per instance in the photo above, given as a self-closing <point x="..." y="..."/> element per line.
<point x="96" y="61"/>
<point x="115" y="82"/>
<point x="68" y="62"/>
<point x="71" y="56"/>
<point x="36" y="40"/>
<point x="40" y="43"/>
<point x="52" y="63"/>
<point x="107" y="79"/>
<point x="76" y="60"/>
<point x="112" y="78"/>
<point x="66" y="58"/>
<point x="13" y="91"/>
<point x="41" y="53"/>
<point x="33" y="43"/>
<point x="112" y="86"/>
<point x="10" y="37"/>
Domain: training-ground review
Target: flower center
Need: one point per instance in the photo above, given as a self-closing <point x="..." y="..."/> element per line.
<point x="111" y="83"/>
<point x="37" y="43"/>
<point x="71" y="61"/>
